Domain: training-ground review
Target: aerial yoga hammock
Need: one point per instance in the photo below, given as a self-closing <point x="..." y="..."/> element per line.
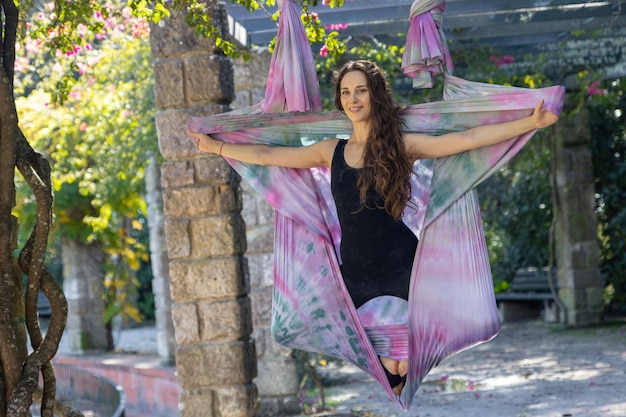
<point x="451" y="298"/>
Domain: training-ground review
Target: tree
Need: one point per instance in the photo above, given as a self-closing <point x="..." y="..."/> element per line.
<point x="65" y="33"/>
<point x="19" y="374"/>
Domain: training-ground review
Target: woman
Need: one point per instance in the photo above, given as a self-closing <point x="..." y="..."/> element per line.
<point x="370" y="181"/>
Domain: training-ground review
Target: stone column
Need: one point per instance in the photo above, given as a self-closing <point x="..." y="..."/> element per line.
<point x="166" y="344"/>
<point x="83" y="274"/>
<point x="576" y="229"/>
<point x="215" y="355"/>
<point x="277" y="377"/>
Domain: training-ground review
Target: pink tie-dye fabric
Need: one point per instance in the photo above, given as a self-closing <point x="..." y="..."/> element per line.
<point x="451" y="301"/>
<point x="426" y="51"/>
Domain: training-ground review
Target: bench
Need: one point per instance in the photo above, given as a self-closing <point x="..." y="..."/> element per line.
<point x="529" y="296"/>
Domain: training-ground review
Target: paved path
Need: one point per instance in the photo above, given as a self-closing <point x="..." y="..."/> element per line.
<point x="532" y="369"/>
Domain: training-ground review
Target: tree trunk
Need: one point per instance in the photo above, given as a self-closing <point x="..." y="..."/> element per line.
<point x="12" y="349"/>
<point x="83" y="283"/>
<point x="19" y="371"/>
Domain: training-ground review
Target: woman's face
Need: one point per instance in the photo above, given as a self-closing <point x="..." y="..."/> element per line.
<point x="355" y="96"/>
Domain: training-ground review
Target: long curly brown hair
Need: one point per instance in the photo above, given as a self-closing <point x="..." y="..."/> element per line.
<point x="386" y="164"/>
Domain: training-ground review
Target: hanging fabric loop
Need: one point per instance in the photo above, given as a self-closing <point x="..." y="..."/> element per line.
<point x="426" y="51"/>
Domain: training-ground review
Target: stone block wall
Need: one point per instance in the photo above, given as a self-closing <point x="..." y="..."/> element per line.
<point x="205" y="233"/>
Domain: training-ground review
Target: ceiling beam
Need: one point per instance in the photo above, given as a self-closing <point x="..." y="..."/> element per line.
<point x="515" y="24"/>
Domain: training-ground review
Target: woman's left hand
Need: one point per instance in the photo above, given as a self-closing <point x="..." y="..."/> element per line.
<point x="542" y="117"/>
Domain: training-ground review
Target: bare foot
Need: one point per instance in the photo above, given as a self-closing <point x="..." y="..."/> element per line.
<point x="392" y="365"/>
<point x="403" y="367"/>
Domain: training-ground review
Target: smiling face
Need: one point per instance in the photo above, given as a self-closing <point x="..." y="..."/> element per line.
<point x="355" y="96"/>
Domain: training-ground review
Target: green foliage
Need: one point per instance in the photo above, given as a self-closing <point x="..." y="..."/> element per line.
<point x="62" y="29"/>
<point x="98" y="143"/>
<point x="606" y="103"/>
<point x="199" y="18"/>
<point x="516" y="204"/>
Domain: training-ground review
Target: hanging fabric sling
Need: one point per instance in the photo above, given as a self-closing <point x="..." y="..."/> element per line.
<point x="451" y="298"/>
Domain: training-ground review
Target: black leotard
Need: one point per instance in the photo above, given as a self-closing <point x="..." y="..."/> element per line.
<point x="377" y="251"/>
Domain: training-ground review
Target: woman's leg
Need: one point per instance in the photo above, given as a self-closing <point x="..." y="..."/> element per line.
<point x="387" y="311"/>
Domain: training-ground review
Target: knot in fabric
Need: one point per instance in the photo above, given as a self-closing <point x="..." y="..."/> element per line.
<point x="434" y="7"/>
<point x="426" y="52"/>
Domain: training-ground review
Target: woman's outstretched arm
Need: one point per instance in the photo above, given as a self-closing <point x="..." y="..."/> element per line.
<point x="315" y="155"/>
<point x="422" y="146"/>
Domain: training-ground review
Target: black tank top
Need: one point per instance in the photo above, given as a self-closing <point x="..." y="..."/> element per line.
<point x="377" y="251"/>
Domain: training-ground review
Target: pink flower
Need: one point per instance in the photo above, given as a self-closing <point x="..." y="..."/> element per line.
<point x="336" y="26"/>
<point x="82" y="69"/>
<point x="324" y="51"/>
<point x="139" y="28"/>
<point x="32" y="46"/>
<point x="506" y="59"/>
<point x="81" y="29"/>
<point x="127" y="12"/>
<point x="83" y="126"/>
<point x="594" y="89"/>
<point x="21" y="64"/>
<point x="74" y="51"/>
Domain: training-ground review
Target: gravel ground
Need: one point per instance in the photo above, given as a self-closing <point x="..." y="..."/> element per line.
<point x="531" y="369"/>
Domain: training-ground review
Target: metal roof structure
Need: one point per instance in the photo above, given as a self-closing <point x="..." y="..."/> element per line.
<point x="576" y="33"/>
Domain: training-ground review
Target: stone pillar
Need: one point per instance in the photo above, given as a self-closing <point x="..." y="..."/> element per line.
<point x="166" y="344"/>
<point x="83" y="285"/>
<point x="215" y="355"/>
<point x="277" y="377"/>
<point x="576" y="230"/>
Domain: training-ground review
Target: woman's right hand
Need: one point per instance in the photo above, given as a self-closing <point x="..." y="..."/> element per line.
<point x="205" y="143"/>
